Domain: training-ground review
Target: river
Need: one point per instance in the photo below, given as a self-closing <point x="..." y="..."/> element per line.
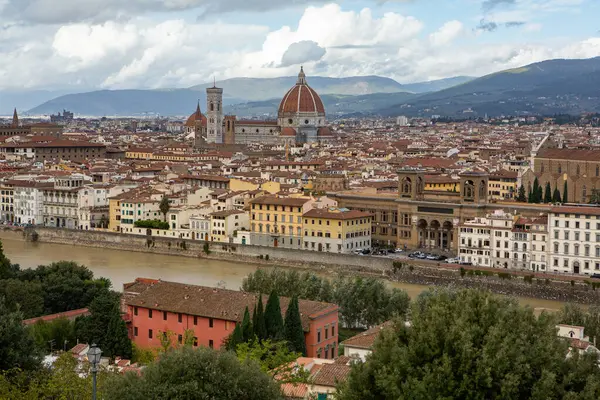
<point x="124" y="266"/>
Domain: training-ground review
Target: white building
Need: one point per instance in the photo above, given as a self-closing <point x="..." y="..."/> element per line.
<point x="61" y="205"/>
<point x="402" y="121"/>
<point x="225" y="224"/>
<point x="28" y="201"/>
<point x="575" y="239"/>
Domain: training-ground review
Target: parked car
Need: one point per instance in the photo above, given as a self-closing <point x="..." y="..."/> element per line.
<point x="595" y="276"/>
<point x="431" y="257"/>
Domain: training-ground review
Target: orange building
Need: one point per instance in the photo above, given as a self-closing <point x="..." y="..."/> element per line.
<point x="155" y="306"/>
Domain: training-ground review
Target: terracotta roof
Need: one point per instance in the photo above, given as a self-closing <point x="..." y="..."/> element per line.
<point x="331" y="374"/>
<point x="215" y="303"/>
<point x="294" y="390"/>
<point x="301" y="98"/>
<point x="576" y="210"/>
<point x="570" y="154"/>
<point x="366" y="339"/>
<point x="280" y="201"/>
<point x="197" y="116"/>
<point x="324" y="131"/>
<point x="288" y="131"/>
<point x="255" y="122"/>
<point x="342" y="215"/>
<point x="67" y="314"/>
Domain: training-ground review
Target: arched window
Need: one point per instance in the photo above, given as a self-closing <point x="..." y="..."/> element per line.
<point x="578" y="170"/>
<point x="583" y="193"/>
<point x="597" y="170"/>
<point x="212" y="107"/>
<point x="542" y="168"/>
<point x="559" y="169"/>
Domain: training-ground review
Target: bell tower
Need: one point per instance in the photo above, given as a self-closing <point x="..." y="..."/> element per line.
<point x="411" y="183"/>
<point x="474" y="187"/>
<point x="214" y="114"/>
<point x="229" y="135"/>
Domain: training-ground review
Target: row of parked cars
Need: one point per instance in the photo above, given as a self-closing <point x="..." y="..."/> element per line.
<point x="426" y="256"/>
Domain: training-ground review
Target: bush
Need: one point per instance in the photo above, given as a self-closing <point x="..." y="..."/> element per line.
<point x="528" y="278"/>
<point x="206" y="248"/>
<point x="397" y="265"/>
<point x="267" y="257"/>
<point x="152" y="224"/>
<point x="462" y="272"/>
<point x="504" y="275"/>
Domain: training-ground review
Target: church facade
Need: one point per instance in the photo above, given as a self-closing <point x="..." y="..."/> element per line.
<point x="301" y="119"/>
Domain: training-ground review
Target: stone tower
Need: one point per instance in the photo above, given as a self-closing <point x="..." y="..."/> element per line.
<point x="15" y="120"/>
<point x="229" y="135"/>
<point x="214" y="114"/>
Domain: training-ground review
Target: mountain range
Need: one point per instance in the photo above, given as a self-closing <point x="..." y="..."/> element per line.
<point x="543" y="88"/>
<point x="239" y="92"/>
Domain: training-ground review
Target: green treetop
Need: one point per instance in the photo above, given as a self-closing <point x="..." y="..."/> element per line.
<point x="293" y="332"/>
<point x="273" y="319"/>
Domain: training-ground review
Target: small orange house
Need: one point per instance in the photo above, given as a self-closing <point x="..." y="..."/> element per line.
<point x="152" y="306"/>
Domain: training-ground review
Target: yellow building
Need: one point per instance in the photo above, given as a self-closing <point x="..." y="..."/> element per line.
<point x="336" y="230"/>
<point x="114" y="214"/>
<point x="139" y="154"/>
<point x="502" y="185"/>
<point x="277" y="221"/>
<point x="239" y="185"/>
<point x="441" y="183"/>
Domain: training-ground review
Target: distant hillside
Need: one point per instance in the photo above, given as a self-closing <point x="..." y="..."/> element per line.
<point x="239" y="91"/>
<point x="439" y="84"/>
<point x="335" y="105"/>
<point x="24" y="100"/>
<point x="548" y="87"/>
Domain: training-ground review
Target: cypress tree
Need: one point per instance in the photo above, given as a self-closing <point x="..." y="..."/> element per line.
<point x="556" y="195"/>
<point x="535" y="191"/>
<point x="521" y="194"/>
<point x="235" y="338"/>
<point x="247" y="333"/>
<point x="530" y="198"/>
<point x="258" y="320"/>
<point x="548" y="193"/>
<point x="565" y="195"/>
<point x="293" y="332"/>
<point x="273" y="319"/>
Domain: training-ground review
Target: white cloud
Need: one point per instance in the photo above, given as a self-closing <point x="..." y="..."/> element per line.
<point x="447" y="33"/>
<point x="141" y="52"/>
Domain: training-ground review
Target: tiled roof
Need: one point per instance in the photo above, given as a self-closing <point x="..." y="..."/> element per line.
<point x="213" y="302"/>
<point x="366" y="339"/>
<point x="342" y="215"/>
<point x="576" y="210"/>
<point x="331" y="374"/>
<point x="281" y="201"/>
<point x="570" y="154"/>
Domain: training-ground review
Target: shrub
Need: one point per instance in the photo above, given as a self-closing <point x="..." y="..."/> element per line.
<point x="267" y="257"/>
<point x="206" y="248"/>
<point x="528" y="278"/>
<point x="152" y="224"/>
<point x="462" y="272"/>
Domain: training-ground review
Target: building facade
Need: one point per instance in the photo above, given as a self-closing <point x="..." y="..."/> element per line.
<point x="336" y="230"/>
<point x="210" y="315"/>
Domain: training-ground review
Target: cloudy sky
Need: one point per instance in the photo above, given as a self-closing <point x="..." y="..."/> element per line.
<point x="88" y="44"/>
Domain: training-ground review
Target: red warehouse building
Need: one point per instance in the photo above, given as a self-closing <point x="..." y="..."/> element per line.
<point x="154" y="306"/>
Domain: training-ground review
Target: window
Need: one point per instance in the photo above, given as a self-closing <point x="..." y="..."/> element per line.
<point x="179" y="318"/>
<point x="164" y="315"/>
<point x="135" y="311"/>
<point x="180" y="339"/>
<point x="319" y="336"/>
<point x="149" y="313"/>
<point x="332" y="330"/>
<point x="566" y="246"/>
<point x="135" y="331"/>
<point x="195" y="320"/>
<point x="149" y="333"/>
<point x="211" y="344"/>
<point x="195" y="341"/>
<point x="326" y="333"/>
<point x="210" y="322"/>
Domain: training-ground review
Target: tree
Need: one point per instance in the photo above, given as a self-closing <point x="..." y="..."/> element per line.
<point x="235" y="338"/>
<point x="274" y="358"/>
<point x="164" y="206"/>
<point x="548" y="193"/>
<point x="530" y="198"/>
<point x="471" y="344"/>
<point x="521" y="196"/>
<point x="292" y="330"/>
<point x="17" y="348"/>
<point x="363" y="302"/>
<point x="595" y="196"/>
<point x="258" y="320"/>
<point x="565" y="195"/>
<point x="273" y="319"/>
<point x="105" y="326"/>
<point x="59" y="332"/>
<point x="535" y="191"/>
<point x="247" y="333"/>
<point x="166" y="340"/>
<point x="556" y="196"/>
<point x="201" y="373"/>
<point x="7" y="269"/>
<point x="574" y="314"/>
<point x="26" y="296"/>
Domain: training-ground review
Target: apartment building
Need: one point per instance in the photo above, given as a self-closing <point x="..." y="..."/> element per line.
<point x="7" y="212"/>
<point x="225" y="224"/>
<point x="28" y="201"/>
<point x="336" y="230"/>
<point x="92" y="203"/>
<point x="277" y="221"/>
<point x="61" y="204"/>
<point x="575" y="239"/>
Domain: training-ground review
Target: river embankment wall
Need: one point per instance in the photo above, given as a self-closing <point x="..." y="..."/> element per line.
<point x="543" y="286"/>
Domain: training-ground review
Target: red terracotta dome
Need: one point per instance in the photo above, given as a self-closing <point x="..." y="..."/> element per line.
<point x="287" y="131"/>
<point x="301" y="98"/>
<point x="196" y="116"/>
<point x="324" y="131"/>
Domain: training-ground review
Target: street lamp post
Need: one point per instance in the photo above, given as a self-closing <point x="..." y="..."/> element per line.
<point x="94" y="354"/>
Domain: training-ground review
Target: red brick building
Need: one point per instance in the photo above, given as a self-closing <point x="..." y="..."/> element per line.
<point x="154" y="306"/>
